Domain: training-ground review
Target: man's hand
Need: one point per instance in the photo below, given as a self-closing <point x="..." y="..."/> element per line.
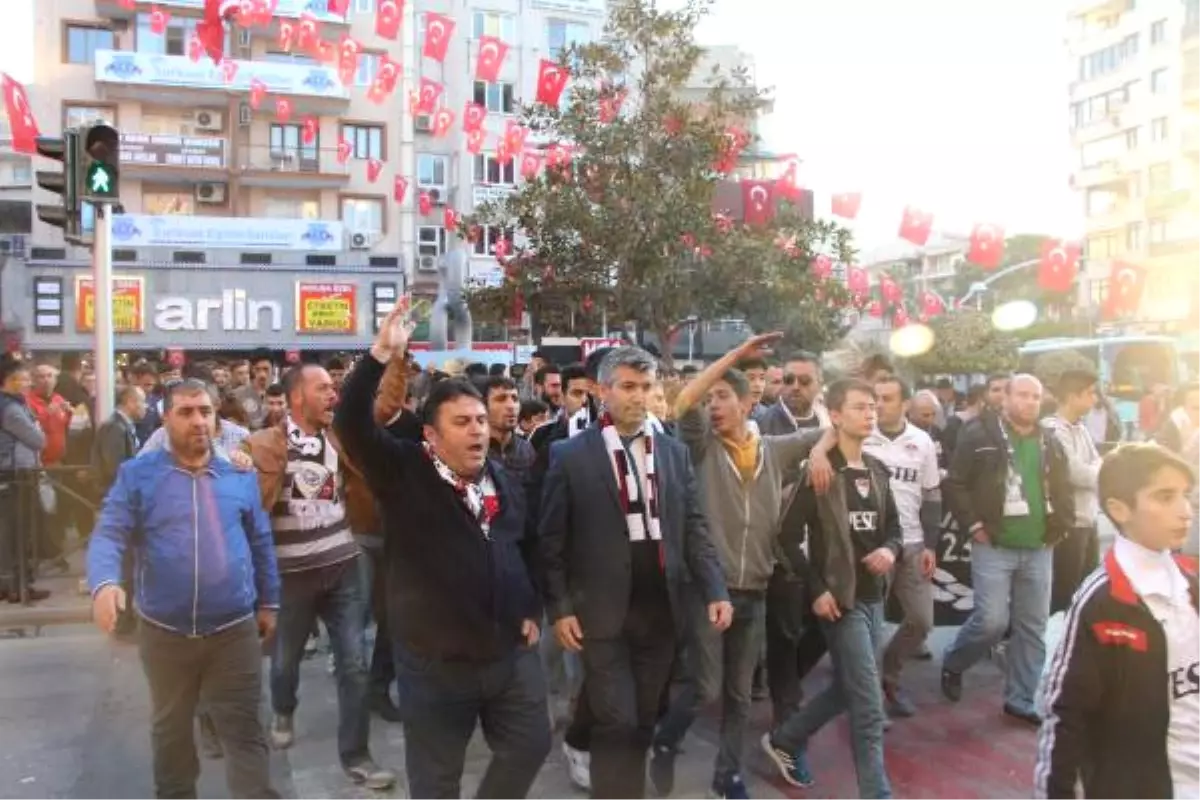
<point x="928" y="563"/>
<point x="820" y="471"/>
<point x="531" y="632"/>
<point x="879" y="561"/>
<point x="392" y="339"/>
<point x="266" y="623"/>
<point x="758" y="346"/>
<point x="569" y="634"/>
<point x="826" y="608"/>
<point x="107" y="605"/>
<point x="720" y="614"/>
<point x="241" y="460"/>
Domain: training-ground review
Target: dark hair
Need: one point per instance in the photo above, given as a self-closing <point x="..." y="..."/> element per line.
<point x="291" y="380"/>
<point x="531" y="408"/>
<point x="737" y="381"/>
<point x="539" y="377"/>
<point x="574" y="372"/>
<point x="261" y="354"/>
<point x="905" y="390"/>
<point x="233" y="411"/>
<point x="143" y="368"/>
<point x="539" y="354"/>
<point x="998" y="376"/>
<point x="838" y="391"/>
<point x="1129" y="468"/>
<point x="496" y="382"/>
<point x="751" y="362"/>
<point x="591" y="364"/>
<point x="804" y="357"/>
<point x="1074" y="381"/>
<point x="977" y="393"/>
<point x="444" y="392"/>
<point x="335" y="363"/>
<point x="944" y="383"/>
<point x="498" y="369"/>
<point x="11" y="366"/>
<point x="188" y="386"/>
<point x="124" y="393"/>
<point x="476" y="370"/>
<point x="200" y="372"/>
<point x="276" y="390"/>
<point x="71" y="362"/>
<point x="164" y="369"/>
<point x="875" y="363"/>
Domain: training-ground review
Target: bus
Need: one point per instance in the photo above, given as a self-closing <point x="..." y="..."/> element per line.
<point x="1128" y="366"/>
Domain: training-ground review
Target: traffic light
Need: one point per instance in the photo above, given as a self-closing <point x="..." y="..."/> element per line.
<point x="99" y="163"/>
<point x="65" y="182"/>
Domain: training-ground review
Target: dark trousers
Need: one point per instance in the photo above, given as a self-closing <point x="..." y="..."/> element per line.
<point x="795" y="644"/>
<point x="625" y="679"/>
<point x="374" y="577"/>
<point x="1074" y="559"/>
<point x="442" y="701"/>
<point x="224" y="671"/>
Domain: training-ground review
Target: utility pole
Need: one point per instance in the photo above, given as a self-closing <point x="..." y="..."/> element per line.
<point x="102" y="296"/>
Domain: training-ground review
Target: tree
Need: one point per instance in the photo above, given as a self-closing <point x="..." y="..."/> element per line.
<point x="629" y="226"/>
<point x="1019" y="285"/>
<point x="966" y="342"/>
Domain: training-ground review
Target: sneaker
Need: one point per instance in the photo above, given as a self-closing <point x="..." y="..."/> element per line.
<point x="369" y="774"/>
<point x="924" y="654"/>
<point x="897" y="703"/>
<point x="210" y="743"/>
<point x="311" y="646"/>
<point x="331" y="665"/>
<point x="731" y="787"/>
<point x="579" y="767"/>
<point x="952" y="685"/>
<point x="282" y="732"/>
<point x="792" y="766"/>
<point x="381" y="704"/>
<point x="662" y="770"/>
<point x="1028" y="717"/>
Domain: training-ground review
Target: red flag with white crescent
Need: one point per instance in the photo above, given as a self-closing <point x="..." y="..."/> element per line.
<point x="473" y="116"/>
<point x="846" y="204"/>
<point x="916" y="225"/>
<point x="388" y="15"/>
<point x="491" y="58"/>
<point x="21" y="124"/>
<point x="1059" y="265"/>
<point x="551" y="81"/>
<point x="438" y="30"/>
<point x="987" y="245"/>
<point x="758" y="202"/>
<point x="1126" y="284"/>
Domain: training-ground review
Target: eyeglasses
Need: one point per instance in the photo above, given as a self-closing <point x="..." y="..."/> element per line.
<point x="803" y="380"/>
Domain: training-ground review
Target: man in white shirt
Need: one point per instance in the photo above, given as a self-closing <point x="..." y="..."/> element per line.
<point x="911" y="457"/>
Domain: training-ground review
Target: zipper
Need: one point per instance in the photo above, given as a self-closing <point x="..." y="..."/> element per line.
<point x="195" y="557"/>
<point x="745" y="534"/>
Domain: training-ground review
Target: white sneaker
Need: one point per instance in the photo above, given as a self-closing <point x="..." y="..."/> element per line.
<point x="579" y="767"/>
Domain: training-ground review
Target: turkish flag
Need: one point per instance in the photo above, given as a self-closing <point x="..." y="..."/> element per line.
<point x="530" y="164"/>
<point x="1059" y="265"/>
<point x="427" y="96"/>
<point x="475" y="141"/>
<point x="987" y="245"/>
<point x="374" y="167"/>
<point x="846" y="204"/>
<point x="258" y="90"/>
<point x="551" y="81"/>
<point x="1126" y="282"/>
<point x="308" y="134"/>
<point x="388" y="15"/>
<point x="128" y="5"/>
<point x="344" y="150"/>
<point x="858" y="281"/>
<point x="385" y="80"/>
<point x="787" y="186"/>
<point x="229" y="70"/>
<point x="610" y="104"/>
<point x="875" y="309"/>
<point x="515" y="135"/>
<point x="158" y="21"/>
<point x="503" y="151"/>
<point x="932" y="304"/>
<point x="339" y="7"/>
<point x="491" y="57"/>
<point x="822" y="267"/>
<point x="473" y="116"/>
<point x="195" y="48"/>
<point x="501" y="249"/>
<point x="283" y="109"/>
<point x="758" y="202"/>
<point x="442" y="121"/>
<point x="21" y="124"/>
<point x="438" y="30"/>
<point x="399" y="188"/>
<point x="308" y="35"/>
<point x="734" y="142"/>
<point x="424" y="203"/>
<point x="211" y="36"/>
<point x="287" y="35"/>
<point x="916" y="225"/>
<point x="900" y="317"/>
<point x="890" y="290"/>
<point x="557" y="156"/>
<point x="449" y="219"/>
<point x="349" y="50"/>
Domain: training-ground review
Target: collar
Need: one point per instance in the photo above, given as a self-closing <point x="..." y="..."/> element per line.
<point x="1134" y="571"/>
<point x="904" y="432"/>
<point x="125" y="417"/>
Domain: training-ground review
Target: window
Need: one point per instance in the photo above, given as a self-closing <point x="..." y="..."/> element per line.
<point x="287" y="58"/>
<point x="362" y="214"/>
<point x="1133" y="237"/>
<point x="169" y="124"/>
<point x="431" y="170"/>
<point x="486" y="23"/>
<point x="497" y="98"/>
<point x="82" y="42"/>
<point x="368" y="68"/>
<point x="75" y="116"/>
<point x="489" y="170"/>
<point x="1158" y="32"/>
<point x="1102" y="246"/>
<point x="1093" y="154"/>
<point x="561" y="34"/>
<point x="291" y="208"/>
<point x="1159" y="177"/>
<point x="22" y="173"/>
<point x="431" y="240"/>
<point x="366" y="141"/>
<point x="1158" y="129"/>
<point x="172" y="42"/>
<point x="1158" y="230"/>
<point x="287" y="145"/>
<point x="1099" y="201"/>
<point x="1108" y="59"/>
<point x="167" y="203"/>
<point x="485" y="243"/>
<point x="364" y="6"/>
<point x="1131" y="138"/>
<point x="1158" y="81"/>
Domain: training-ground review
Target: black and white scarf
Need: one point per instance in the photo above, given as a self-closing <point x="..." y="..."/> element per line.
<point x="638" y="493"/>
<point x="480" y="497"/>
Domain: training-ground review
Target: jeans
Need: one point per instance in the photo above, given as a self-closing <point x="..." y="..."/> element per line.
<point x="442" y="701"/>
<point x="795" y="643"/>
<point x="1012" y="591"/>
<point x="855" y="689"/>
<point x="915" y="593"/>
<point x="373" y="575"/>
<point x="1074" y="559"/>
<point x="334" y="594"/>
<point x="723" y="665"/>
<point x="224" y="671"/>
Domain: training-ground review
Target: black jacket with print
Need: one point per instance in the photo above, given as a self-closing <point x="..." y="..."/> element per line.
<point x="1107" y="699"/>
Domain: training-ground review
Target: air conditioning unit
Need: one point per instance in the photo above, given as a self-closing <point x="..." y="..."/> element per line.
<point x="210" y="193"/>
<point x="427" y="264"/>
<point x="423" y="122"/>
<point x="363" y="240"/>
<point x="205" y="120"/>
<point x="244" y="115"/>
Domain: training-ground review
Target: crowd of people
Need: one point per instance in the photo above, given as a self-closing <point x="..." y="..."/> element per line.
<point x="641" y="541"/>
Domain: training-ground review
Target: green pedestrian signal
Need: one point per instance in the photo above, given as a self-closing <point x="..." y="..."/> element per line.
<point x="100" y="180"/>
<point x="100" y="158"/>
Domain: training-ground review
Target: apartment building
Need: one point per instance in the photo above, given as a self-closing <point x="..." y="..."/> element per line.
<point x="1135" y="124"/>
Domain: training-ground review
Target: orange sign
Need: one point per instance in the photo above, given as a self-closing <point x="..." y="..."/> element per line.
<point x="326" y="307"/>
<point x="128" y="304"/>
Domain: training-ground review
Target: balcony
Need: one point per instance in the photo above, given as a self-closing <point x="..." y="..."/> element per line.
<point x="1106" y="173"/>
<point x="286" y="8"/>
<point x="1165" y="202"/>
<point x="173" y="158"/>
<point x="1176" y="247"/>
<point x="1096" y="8"/>
<point x="293" y="168"/>
<point x="144" y="76"/>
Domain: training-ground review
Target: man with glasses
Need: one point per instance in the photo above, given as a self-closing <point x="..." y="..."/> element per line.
<point x="800" y="407"/>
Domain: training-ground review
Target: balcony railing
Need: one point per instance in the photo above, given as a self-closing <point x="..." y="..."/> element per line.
<point x="123" y="68"/>
<point x="293" y="160"/>
<point x="286" y="8"/>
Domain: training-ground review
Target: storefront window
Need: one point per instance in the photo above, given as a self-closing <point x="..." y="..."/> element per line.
<point x="78" y="116"/>
<point x="167" y="203"/>
<point x="292" y="208"/>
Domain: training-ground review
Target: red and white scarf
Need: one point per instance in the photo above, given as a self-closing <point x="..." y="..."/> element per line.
<point x="638" y="493"/>
<point x="480" y="497"/>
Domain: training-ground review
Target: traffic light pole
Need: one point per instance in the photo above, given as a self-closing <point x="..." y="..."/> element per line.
<point x="102" y="278"/>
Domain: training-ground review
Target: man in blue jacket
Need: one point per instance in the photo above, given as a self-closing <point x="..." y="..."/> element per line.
<point x="207" y="593"/>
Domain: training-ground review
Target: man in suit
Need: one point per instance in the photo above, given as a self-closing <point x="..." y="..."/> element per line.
<point x="618" y="561"/>
<point x="117" y="439"/>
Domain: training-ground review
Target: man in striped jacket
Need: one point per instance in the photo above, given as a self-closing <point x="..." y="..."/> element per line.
<point x="304" y="487"/>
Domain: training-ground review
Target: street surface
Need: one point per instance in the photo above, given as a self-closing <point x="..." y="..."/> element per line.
<point x="74" y="714"/>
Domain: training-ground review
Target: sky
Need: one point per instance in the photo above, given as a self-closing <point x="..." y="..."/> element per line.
<point x="958" y="107"/>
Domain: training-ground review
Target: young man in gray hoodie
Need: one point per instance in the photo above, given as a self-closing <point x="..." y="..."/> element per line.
<point x="741" y="476"/>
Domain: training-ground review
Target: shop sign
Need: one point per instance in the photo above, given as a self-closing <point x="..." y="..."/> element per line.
<point x="247" y="233"/>
<point x="326" y="307"/>
<point x="232" y="311"/>
<point x="128" y="304"/>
